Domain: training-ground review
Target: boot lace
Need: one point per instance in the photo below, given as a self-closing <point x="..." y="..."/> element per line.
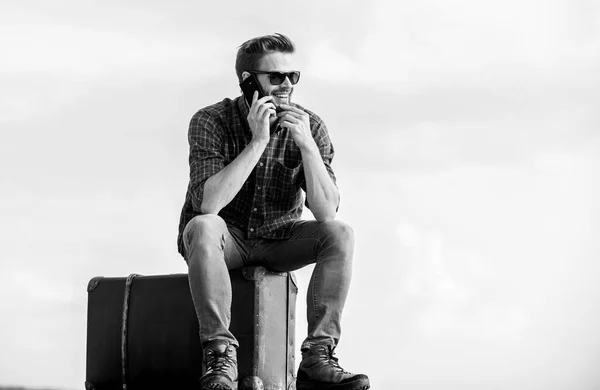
<point x="218" y="361"/>
<point x="333" y="361"/>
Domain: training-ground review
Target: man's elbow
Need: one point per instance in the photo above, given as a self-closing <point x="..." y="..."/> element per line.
<point x="209" y="208"/>
<point x="327" y="218"/>
<point x="210" y="201"/>
<point x="325" y="215"/>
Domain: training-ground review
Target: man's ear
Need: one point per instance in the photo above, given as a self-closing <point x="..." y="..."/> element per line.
<point x="245" y="75"/>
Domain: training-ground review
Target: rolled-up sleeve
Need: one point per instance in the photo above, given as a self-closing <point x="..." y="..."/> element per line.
<point x="326" y="149"/>
<point x="205" y="137"/>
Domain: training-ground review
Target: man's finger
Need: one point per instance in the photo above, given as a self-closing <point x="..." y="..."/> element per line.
<point x="298" y="115"/>
<point x="291" y="114"/>
<point x="286" y="124"/>
<point x="261" y="109"/>
<point x="265" y="99"/>
<point x="287" y="107"/>
<point x="289" y="117"/>
<point x="258" y="104"/>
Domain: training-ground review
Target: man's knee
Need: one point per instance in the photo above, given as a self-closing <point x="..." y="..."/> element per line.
<point x="204" y="227"/>
<point x="339" y="234"/>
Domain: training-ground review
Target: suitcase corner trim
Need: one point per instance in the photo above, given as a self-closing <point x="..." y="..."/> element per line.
<point x="93" y="283"/>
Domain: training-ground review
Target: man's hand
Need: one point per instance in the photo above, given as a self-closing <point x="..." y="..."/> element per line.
<point x="298" y="123"/>
<point x="258" y="117"/>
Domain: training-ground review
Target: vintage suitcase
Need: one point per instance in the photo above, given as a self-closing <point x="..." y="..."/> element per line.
<point x="142" y="331"/>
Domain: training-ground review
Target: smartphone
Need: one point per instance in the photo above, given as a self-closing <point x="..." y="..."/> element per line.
<point x="249" y="86"/>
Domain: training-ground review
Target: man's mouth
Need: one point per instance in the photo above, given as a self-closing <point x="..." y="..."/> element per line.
<point x="282" y="95"/>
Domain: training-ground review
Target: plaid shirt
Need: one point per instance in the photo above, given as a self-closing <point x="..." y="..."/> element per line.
<point x="271" y="198"/>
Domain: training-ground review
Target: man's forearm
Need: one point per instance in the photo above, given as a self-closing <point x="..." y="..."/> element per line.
<point x="224" y="185"/>
<point x="321" y="192"/>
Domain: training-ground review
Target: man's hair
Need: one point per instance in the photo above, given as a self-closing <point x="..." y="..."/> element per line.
<point x="252" y="51"/>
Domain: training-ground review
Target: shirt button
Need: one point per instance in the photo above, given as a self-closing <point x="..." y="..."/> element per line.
<point x="251" y="229"/>
<point x="255" y="209"/>
<point x="259" y="187"/>
<point x="261" y="164"/>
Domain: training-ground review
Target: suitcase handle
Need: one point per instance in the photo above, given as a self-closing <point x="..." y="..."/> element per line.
<point x="124" y="327"/>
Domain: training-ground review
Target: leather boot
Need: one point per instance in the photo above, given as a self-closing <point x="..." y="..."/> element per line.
<point x="220" y="360"/>
<point x="319" y="369"/>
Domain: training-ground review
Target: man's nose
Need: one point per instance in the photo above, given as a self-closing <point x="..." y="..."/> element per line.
<point x="287" y="82"/>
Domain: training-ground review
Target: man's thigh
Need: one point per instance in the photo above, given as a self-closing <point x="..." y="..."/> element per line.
<point x="301" y="249"/>
<point x="235" y="250"/>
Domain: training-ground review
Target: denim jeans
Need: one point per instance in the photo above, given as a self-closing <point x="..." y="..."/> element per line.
<point x="212" y="248"/>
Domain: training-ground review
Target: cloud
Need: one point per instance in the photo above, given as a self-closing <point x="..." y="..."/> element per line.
<point x="451" y="305"/>
<point x="88" y="53"/>
<point x="109" y="45"/>
<point x="40" y="288"/>
<point x="432" y="42"/>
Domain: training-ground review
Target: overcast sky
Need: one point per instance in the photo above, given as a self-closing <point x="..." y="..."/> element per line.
<point x="468" y="159"/>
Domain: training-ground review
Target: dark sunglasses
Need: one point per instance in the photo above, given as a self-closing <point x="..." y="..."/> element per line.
<point x="277" y="78"/>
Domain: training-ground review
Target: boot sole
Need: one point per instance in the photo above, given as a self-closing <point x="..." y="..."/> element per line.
<point x="359" y="384"/>
<point x="217" y="387"/>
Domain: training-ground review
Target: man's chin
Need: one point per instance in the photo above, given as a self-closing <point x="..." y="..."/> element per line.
<point x="279" y="101"/>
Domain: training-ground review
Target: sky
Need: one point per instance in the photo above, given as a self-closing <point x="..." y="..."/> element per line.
<point x="467" y="157"/>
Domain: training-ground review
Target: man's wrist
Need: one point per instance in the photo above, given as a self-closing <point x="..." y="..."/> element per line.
<point x="309" y="147"/>
<point x="260" y="143"/>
